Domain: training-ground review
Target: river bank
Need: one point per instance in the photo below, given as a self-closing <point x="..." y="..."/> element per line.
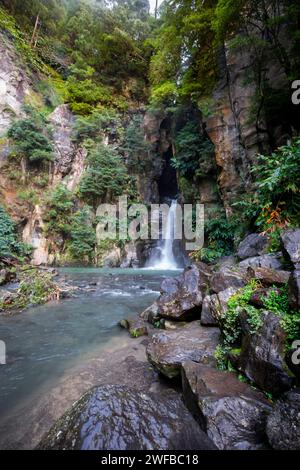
<point x="57" y="351"/>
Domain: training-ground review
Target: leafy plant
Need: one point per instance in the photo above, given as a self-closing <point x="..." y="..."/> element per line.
<point x="219" y="239"/>
<point x="135" y="145"/>
<point x="83" y="235"/>
<point x="59" y="207"/>
<point x="9" y="243"/>
<point x="32" y="138"/>
<point x="194" y="152"/>
<point x="105" y="176"/>
<point x="276" y="302"/>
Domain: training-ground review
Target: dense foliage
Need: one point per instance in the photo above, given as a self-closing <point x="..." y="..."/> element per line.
<point x="193" y="151"/>
<point x="135" y="146"/>
<point x="105" y="177"/>
<point x="83" y="236"/>
<point x="277" y="302"/>
<point x="9" y="243"/>
<point x="275" y="204"/>
<point x="190" y="43"/>
<point x="31" y="138"/>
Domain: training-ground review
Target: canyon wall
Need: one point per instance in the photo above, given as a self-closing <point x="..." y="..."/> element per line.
<point x="237" y="133"/>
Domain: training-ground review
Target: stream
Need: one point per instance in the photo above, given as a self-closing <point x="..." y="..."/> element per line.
<point x="43" y="342"/>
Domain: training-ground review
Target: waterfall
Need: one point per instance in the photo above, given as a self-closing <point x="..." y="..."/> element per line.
<point x="164" y="257"/>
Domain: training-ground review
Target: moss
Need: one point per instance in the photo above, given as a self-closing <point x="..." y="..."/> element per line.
<point x="36" y="287"/>
<point x="21" y="43"/>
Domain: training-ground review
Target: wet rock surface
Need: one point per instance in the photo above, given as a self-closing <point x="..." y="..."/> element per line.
<point x="253" y="245"/>
<point x="268" y="276"/>
<point x="231" y="412"/>
<point x="115" y="417"/>
<point x="181" y="298"/>
<point x="294" y="289"/>
<point x="167" y="350"/>
<point x="151" y="314"/>
<point x="218" y="303"/>
<point x="136" y="326"/>
<point x="272" y="260"/>
<point x="228" y="276"/>
<point x="207" y="318"/>
<point x="283" y="425"/>
<point x="291" y="246"/>
<point x="262" y="355"/>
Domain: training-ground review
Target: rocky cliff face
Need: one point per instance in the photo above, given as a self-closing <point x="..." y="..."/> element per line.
<point x="237" y="124"/>
<point x="237" y="132"/>
<point x="14" y="88"/>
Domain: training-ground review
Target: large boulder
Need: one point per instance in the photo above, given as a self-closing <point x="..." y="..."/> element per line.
<point x="268" y="276"/>
<point x="253" y="245"/>
<point x="262" y="355"/>
<point x="181" y="298"/>
<point x="215" y="306"/>
<point x="114" y="417"/>
<point x="272" y="260"/>
<point x="207" y="317"/>
<point x="291" y="246"/>
<point x="136" y="326"/>
<point x="231" y="412"/>
<point x="151" y="314"/>
<point x="294" y="289"/>
<point x="167" y="350"/>
<point x="228" y="276"/>
<point x="283" y="425"/>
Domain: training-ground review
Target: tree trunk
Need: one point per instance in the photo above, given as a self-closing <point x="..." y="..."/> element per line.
<point x="156" y="8"/>
<point x="33" y="40"/>
<point x="24" y="169"/>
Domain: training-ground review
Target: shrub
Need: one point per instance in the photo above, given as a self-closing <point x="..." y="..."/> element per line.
<point x="276" y="302"/>
<point x="278" y="185"/>
<point x="83" y="235"/>
<point x="194" y="152"/>
<point x="84" y="95"/>
<point x="59" y="206"/>
<point x="275" y="203"/>
<point x="105" y="177"/>
<point x="31" y="137"/>
<point x="93" y="126"/>
<point x="219" y="239"/>
<point x="9" y="244"/>
<point x="135" y="145"/>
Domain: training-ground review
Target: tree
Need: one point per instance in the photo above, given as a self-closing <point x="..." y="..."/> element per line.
<point x="31" y="137"/>
<point x="9" y="244"/>
<point x="105" y="176"/>
<point x="194" y="152"/>
<point x="135" y="145"/>
<point x="185" y="53"/>
<point x="83" y="235"/>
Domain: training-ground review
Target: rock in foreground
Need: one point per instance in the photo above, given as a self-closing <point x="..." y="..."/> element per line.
<point x="181" y="298"/>
<point x="167" y="350"/>
<point x="231" y="412"/>
<point x="114" y="417"/>
<point x="262" y="355"/>
<point x="283" y="427"/>
<point x="253" y="245"/>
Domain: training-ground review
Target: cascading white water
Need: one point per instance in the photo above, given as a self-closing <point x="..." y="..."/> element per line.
<point x="166" y="258"/>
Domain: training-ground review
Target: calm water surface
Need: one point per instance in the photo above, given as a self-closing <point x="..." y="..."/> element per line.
<point x="44" y="341"/>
